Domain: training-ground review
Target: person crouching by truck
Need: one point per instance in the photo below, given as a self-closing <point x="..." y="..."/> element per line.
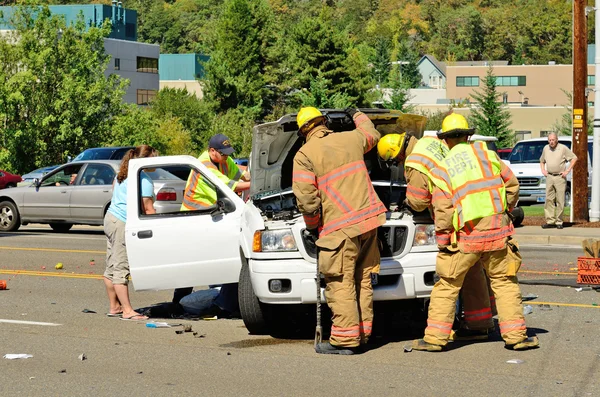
<point x="199" y="195"/>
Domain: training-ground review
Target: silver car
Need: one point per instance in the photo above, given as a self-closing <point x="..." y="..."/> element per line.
<point x="78" y="193"/>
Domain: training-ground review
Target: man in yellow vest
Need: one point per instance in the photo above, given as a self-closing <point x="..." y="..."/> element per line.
<point x="340" y="207"/>
<point x="420" y="158"/>
<point x="199" y="194"/>
<point x="473" y="190"/>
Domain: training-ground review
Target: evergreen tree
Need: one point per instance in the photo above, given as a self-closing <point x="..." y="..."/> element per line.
<point x="400" y="94"/>
<point x="490" y="116"/>
<point x="381" y="61"/>
<point x="411" y="76"/>
<point x="235" y="71"/>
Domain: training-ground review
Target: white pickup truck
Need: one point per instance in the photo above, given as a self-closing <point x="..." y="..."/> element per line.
<point x="259" y="243"/>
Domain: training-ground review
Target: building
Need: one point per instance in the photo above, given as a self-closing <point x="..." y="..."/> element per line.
<point x="535" y="95"/>
<point x="182" y="71"/>
<point x="135" y="61"/>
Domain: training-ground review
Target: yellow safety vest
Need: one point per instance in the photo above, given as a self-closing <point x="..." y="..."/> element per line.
<point x="427" y="154"/>
<point x="470" y="174"/>
<point x="199" y="193"/>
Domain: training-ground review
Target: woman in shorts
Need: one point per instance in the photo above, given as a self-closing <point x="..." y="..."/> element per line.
<point x="116" y="276"/>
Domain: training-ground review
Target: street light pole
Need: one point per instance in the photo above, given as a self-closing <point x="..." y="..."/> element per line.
<point x="579" y="182"/>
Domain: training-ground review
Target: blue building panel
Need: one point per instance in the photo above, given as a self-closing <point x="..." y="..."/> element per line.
<point x="124" y="21"/>
<point x="181" y="66"/>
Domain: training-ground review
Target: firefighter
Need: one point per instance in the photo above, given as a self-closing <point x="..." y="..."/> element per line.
<point x="342" y="213"/>
<point x="473" y="189"/>
<point x="420" y="158"/>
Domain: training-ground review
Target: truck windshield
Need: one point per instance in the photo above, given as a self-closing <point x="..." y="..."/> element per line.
<point x="530" y="152"/>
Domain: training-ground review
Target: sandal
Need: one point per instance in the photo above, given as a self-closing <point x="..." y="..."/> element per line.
<point x="119" y="314"/>
<point x="136" y="317"/>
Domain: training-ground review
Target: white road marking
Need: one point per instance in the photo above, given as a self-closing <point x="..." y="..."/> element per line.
<point x="27" y="322"/>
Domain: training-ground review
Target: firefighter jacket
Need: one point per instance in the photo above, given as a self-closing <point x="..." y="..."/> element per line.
<point x="200" y="194"/>
<point x="425" y="155"/>
<point x="331" y="182"/>
<point x="473" y="190"/>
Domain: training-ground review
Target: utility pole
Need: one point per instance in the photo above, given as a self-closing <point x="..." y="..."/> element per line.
<point x="595" y="210"/>
<point x="579" y="182"/>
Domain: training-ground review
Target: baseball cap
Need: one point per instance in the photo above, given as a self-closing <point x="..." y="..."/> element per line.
<point x="221" y="143"/>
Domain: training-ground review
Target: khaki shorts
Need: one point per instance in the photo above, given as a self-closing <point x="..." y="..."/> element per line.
<point x="117" y="265"/>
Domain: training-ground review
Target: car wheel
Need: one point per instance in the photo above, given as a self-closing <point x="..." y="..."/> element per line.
<point x="518" y="216"/>
<point x="9" y="217"/>
<point x="256" y="315"/>
<point x="61" y="227"/>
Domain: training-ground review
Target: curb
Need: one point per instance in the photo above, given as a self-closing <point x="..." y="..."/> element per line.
<point x="550" y="240"/>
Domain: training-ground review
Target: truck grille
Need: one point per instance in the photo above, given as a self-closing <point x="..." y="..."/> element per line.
<point x="528" y="181"/>
<point x="392" y="238"/>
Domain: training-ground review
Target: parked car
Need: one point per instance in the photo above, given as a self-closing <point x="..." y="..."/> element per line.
<point x="78" y="193"/>
<point x="28" y="178"/>
<point x="241" y="161"/>
<point x="8" y="180"/>
<point x="260" y="243"/>
<point x="524" y="161"/>
<point x="504" y="153"/>
<point x="103" y="153"/>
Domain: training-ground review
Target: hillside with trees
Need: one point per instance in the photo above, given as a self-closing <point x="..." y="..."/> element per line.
<point x="268" y="57"/>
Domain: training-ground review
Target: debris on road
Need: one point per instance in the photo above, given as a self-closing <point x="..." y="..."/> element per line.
<point x="545" y="307"/>
<point x="527" y="309"/>
<point x="58" y="266"/>
<point x="196" y="335"/>
<point x="2" y="284"/>
<point x="179" y="332"/>
<point x="407" y="349"/>
<point x="62" y="371"/>
<point x="229" y="353"/>
<point x="209" y="318"/>
<point x="17" y="356"/>
<point x="530" y="297"/>
<point x="515" y="361"/>
<point x="187" y="328"/>
<point x="88" y="311"/>
<point x="82" y="357"/>
<point x="583" y="289"/>
<point x="154" y="324"/>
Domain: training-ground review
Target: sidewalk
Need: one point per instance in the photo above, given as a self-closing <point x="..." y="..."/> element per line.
<point x="566" y="236"/>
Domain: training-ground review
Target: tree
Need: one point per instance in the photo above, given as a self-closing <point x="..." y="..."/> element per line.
<point x="319" y="96"/>
<point x="382" y="65"/>
<point x="54" y="97"/>
<point x="490" y="117"/>
<point x="564" y="125"/>
<point x="234" y="73"/>
<point x="400" y="94"/>
<point x="409" y="70"/>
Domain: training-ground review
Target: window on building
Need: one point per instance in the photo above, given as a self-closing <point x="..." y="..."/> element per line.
<point x="591" y="79"/>
<point x="522" y="135"/>
<point x="117" y="63"/>
<point x="147" y="65"/>
<point x="435" y="81"/>
<point x="144" y="97"/>
<point x="544" y="134"/>
<point x="511" y="81"/>
<point x="467" y="81"/>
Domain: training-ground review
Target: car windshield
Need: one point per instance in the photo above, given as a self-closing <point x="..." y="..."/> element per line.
<point x="95" y="154"/>
<point x="160" y="175"/>
<point x="530" y="152"/>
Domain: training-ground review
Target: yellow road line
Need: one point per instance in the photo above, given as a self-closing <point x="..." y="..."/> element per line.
<point x="52" y="250"/>
<point x="52" y="274"/>
<point x="535" y="272"/>
<point x="564" y="304"/>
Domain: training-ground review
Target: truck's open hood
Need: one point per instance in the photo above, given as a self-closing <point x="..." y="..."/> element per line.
<point x="274" y="144"/>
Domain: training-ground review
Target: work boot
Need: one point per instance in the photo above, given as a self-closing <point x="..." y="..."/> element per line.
<point x="548" y="225"/>
<point x="464" y="334"/>
<point x="420" y="344"/>
<point x="530" y="343"/>
<point x="328" y="348"/>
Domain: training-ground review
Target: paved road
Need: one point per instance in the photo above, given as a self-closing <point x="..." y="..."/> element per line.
<point x="126" y="358"/>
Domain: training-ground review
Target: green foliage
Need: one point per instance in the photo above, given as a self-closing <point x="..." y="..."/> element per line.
<point x="236" y="125"/>
<point x="54" y="97"/>
<point x="564" y="125"/>
<point x="435" y="119"/>
<point x="382" y="65"/>
<point x="490" y="116"/>
<point x="409" y="71"/>
<point x="319" y="96"/>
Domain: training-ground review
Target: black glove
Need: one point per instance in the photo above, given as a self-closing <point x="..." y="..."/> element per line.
<point x="311" y="236"/>
<point x="351" y="111"/>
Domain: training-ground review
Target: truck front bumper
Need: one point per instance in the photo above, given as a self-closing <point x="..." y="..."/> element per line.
<point x="407" y="278"/>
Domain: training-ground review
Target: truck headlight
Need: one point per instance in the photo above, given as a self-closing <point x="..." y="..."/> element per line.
<point x="543" y="180"/>
<point x="424" y="235"/>
<point x="274" y="241"/>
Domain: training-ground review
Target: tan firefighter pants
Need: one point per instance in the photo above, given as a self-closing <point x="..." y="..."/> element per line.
<point x="347" y="264"/>
<point x="452" y="268"/>
<point x="556" y="187"/>
<point x="476" y="299"/>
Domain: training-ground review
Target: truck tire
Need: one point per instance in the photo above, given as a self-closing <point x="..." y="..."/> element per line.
<point x="9" y="217"/>
<point x="61" y="227"/>
<point x="256" y="315"/>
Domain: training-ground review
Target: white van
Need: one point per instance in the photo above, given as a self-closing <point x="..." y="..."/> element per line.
<point x="524" y="161"/>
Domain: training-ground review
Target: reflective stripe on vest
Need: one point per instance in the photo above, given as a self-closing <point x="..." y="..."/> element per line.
<point x="426" y="155"/>
<point x="470" y="175"/>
